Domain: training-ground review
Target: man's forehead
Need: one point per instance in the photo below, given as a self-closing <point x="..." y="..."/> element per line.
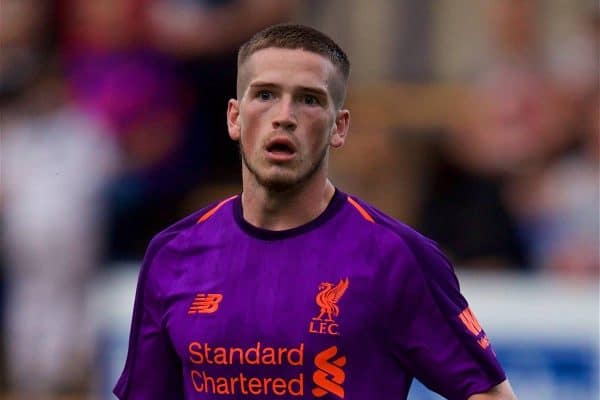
<point x="274" y="63"/>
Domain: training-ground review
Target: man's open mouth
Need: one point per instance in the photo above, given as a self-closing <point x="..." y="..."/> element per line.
<point x="281" y="146"/>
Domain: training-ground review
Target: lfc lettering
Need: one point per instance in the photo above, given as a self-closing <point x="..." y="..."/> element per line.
<point x="323" y="327"/>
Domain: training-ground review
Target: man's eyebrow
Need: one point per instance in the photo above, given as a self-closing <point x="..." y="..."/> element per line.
<point x="307" y="89"/>
<point x="259" y="84"/>
<point x="314" y="90"/>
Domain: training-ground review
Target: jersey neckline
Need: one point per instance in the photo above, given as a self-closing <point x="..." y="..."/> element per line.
<point x="335" y="204"/>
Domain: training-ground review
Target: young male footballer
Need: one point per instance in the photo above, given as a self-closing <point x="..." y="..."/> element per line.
<point x="293" y="288"/>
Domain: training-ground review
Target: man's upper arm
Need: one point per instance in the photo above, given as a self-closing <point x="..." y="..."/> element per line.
<point x="152" y="370"/>
<point x="437" y="337"/>
<point x="503" y="391"/>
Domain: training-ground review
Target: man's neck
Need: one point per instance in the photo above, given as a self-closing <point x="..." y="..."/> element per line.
<point x="286" y="210"/>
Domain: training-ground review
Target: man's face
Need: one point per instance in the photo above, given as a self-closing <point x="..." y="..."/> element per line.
<point x="286" y="119"/>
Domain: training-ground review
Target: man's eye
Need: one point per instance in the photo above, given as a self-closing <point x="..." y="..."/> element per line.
<point x="264" y="95"/>
<point x="310" y="100"/>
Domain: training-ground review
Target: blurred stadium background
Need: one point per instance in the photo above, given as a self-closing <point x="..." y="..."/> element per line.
<point x="477" y="122"/>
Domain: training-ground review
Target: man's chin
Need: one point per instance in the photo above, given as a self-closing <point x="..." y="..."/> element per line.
<point x="278" y="183"/>
<point x="283" y="178"/>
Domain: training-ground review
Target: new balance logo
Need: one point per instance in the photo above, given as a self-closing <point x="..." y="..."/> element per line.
<point x="205" y="303"/>
<point x="329" y="376"/>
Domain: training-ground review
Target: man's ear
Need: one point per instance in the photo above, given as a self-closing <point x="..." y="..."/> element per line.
<point x="233" y="119"/>
<point x="340" y="129"/>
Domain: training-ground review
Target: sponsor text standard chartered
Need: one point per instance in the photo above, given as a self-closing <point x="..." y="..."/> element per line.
<point x="202" y="354"/>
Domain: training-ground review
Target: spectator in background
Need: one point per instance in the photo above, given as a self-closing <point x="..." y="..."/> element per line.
<point x="55" y="162"/>
<point x="116" y="76"/>
<point x="559" y="205"/>
<point x="160" y="73"/>
<point x="514" y="126"/>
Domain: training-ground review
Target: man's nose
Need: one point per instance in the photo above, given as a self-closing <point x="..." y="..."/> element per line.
<point x="285" y="117"/>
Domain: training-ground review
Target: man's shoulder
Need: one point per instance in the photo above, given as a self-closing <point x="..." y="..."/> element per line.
<point x="162" y="254"/>
<point x="185" y="224"/>
<point x="388" y="226"/>
<point x="395" y="237"/>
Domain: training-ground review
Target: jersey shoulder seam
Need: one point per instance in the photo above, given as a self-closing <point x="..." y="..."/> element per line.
<point x="361" y="210"/>
<point x="379" y="218"/>
<point x="213" y="210"/>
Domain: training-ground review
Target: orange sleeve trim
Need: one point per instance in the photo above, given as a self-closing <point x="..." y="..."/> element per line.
<point x="213" y="210"/>
<point x="361" y="210"/>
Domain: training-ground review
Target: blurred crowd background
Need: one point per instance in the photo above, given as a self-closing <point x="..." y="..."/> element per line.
<point x="475" y="122"/>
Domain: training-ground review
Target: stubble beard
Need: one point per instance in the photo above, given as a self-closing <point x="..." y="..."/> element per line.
<point x="281" y="184"/>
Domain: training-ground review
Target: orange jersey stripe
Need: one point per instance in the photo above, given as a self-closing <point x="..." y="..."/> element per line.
<point x="361" y="210"/>
<point x="213" y="210"/>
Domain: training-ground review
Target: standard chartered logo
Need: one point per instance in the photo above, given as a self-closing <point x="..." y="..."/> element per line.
<point x="329" y="376"/>
<point x="257" y="355"/>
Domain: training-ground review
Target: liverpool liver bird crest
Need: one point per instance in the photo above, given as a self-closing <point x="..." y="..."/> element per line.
<point x="328" y="297"/>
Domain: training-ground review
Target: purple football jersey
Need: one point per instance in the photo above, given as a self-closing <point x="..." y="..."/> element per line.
<point x="351" y="305"/>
